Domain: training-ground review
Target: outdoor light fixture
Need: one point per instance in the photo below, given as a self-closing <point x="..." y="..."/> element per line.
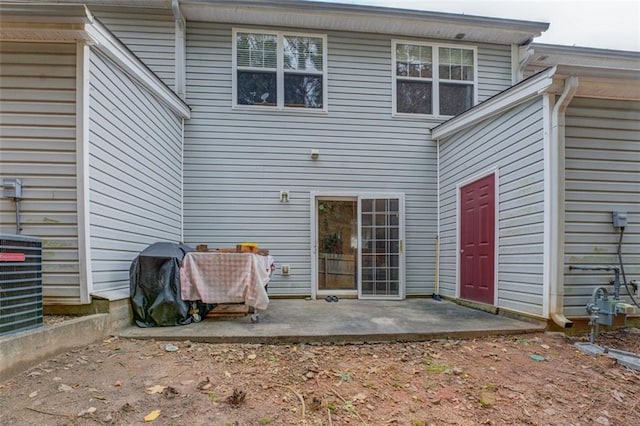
<point x="284" y="196"/>
<point x="315" y="153"/>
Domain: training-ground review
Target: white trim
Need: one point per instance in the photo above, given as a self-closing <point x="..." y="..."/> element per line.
<point x="435" y="77"/>
<point x="549" y="239"/>
<point x="356" y="196"/>
<point x="495" y="171"/>
<point x="82" y="170"/>
<point x="180" y="50"/>
<point x="508" y="99"/>
<point x="280" y="72"/>
<point x="515" y="64"/>
<point x="108" y="44"/>
<point x="438" y="207"/>
<point x="182" y="180"/>
<point x="402" y="242"/>
<point x="314" y="196"/>
<point x="557" y="201"/>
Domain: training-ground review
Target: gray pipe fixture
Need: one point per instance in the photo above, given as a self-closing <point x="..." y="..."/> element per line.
<point x="12" y="188"/>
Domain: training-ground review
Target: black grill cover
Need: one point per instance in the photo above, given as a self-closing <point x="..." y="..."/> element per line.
<point x="154" y="284"/>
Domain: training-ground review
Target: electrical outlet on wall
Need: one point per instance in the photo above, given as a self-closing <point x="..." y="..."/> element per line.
<point x="285" y="270"/>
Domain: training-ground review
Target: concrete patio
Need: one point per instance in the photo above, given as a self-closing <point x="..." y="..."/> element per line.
<point x="349" y="320"/>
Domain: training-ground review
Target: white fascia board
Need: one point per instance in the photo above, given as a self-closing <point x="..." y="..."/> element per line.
<point x="108" y="44"/>
<point x="516" y="95"/>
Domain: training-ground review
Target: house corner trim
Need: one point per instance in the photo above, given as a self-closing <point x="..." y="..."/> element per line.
<point x="82" y="171"/>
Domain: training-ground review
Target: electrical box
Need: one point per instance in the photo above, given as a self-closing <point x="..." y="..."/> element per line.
<point x="11" y="188"/>
<point x="619" y="219"/>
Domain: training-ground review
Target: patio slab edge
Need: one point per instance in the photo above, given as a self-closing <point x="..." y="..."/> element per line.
<point x="336" y="339"/>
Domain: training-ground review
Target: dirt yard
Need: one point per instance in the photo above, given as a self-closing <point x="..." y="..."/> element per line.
<point x="536" y="379"/>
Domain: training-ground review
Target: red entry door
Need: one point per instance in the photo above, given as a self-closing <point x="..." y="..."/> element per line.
<point x="477" y="240"/>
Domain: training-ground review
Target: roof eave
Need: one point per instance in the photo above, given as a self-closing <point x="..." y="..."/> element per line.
<point x="369" y="19"/>
<point x="594" y="82"/>
<point x="515" y="95"/>
<point x="37" y="22"/>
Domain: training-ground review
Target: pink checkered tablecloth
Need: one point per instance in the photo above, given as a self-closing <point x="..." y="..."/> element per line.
<point x="225" y="278"/>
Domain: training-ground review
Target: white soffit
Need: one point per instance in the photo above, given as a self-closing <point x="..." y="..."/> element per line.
<point x="347" y="17"/>
<point x="49" y="23"/>
<point x="367" y="19"/>
<point x="547" y="55"/>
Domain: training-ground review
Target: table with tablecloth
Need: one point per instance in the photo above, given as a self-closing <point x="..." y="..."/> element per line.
<point x="218" y="278"/>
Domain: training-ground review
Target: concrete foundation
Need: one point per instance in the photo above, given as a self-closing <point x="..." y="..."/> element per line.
<point x="20" y="351"/>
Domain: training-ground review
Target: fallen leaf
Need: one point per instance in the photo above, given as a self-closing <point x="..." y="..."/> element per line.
<point x="64" y="388"/>
<point x="227" y="374"/>
<point x="89" y="410"/>
<point x="152" y="416"/>
<point x="361" y="397"/>
<point x="545" y="346"/>
<point x="33" y="394"/>
<point x="252" y="356"/>
<point x="156" y="389"/>
<point x="118" y="383"/>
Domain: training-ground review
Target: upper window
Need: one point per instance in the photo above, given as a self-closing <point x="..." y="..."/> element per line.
<point x="433" y="80"/>
<point x="283" y="70"/>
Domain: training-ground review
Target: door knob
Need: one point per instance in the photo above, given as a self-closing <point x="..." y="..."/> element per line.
<point x="461" y="250"/>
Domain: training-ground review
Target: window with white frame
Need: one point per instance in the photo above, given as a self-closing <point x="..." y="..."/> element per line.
<point x="433" y="79"/>
<point x="283" y="70"/>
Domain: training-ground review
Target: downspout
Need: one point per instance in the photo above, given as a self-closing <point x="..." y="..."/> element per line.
<point x="180" y="50"/>
<point x="556" y="293"/>
<point x="436" y="286"/>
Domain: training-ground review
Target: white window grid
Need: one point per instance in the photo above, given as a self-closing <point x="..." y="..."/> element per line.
<point x="280" y="70"/>
<point x="435" y="78"/>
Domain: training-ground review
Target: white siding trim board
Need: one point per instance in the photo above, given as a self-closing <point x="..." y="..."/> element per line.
<point x="107" y="43"/>
<point x="82" y="173"/>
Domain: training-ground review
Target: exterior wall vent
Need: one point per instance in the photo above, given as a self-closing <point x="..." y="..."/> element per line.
<point x="20" y="283"/>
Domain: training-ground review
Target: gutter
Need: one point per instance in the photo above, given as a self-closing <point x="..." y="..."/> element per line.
<point x="180" y="46"/>
<point x="556" y="205"/>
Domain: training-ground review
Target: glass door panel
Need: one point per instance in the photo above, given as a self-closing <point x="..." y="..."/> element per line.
<point x="381" y="248"/>
<point x="337" y="244"/>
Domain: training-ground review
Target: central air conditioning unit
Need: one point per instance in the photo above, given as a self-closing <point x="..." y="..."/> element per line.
<point x="20" y="283"/>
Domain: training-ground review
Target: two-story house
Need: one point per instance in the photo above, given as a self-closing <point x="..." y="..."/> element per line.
<point x="324" y="132"/>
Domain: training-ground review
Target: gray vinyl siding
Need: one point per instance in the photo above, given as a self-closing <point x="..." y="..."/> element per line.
<point x="237" y="161"/>
<point x="148" y="33"/>
<point x="38" y="145"/>
<point x="494" y="70"/>
<point x="135" y="169"/>
<point x="512" y="143"/>
<point x="602" y="175"/>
